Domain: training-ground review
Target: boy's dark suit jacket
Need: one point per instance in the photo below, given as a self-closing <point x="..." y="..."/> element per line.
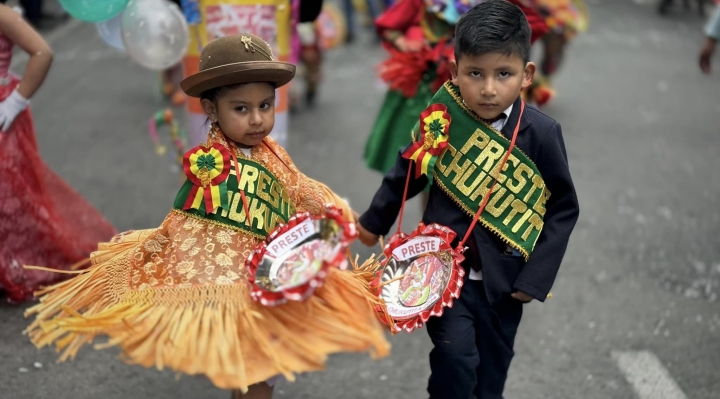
<point x="540" y="137"/>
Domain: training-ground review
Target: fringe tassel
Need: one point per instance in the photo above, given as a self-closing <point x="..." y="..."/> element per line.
<point x="330" y="197"/>
<point x="367" y="273"/>
<point x="213" y="330"/>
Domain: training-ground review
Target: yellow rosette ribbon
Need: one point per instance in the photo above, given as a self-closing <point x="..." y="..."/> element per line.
<point x="435" y="124"/>
<point x="207" y="168"/>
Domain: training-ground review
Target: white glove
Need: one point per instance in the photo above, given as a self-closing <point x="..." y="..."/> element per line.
<point x="13" y="105"/>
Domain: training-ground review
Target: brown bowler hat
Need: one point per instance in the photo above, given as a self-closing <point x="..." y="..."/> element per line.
<point x="234" y="59"/>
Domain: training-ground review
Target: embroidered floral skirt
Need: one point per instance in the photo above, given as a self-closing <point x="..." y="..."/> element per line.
<point x="178" y="297"/>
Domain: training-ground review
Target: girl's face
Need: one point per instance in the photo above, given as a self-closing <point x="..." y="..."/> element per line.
<point x="246" y="113"/>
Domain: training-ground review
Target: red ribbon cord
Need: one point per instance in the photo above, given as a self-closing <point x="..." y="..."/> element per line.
<point x="404" y="198"/>
<point x="461" y="245"/>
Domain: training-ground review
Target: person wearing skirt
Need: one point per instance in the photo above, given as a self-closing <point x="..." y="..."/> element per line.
<point x="43" y="221"/>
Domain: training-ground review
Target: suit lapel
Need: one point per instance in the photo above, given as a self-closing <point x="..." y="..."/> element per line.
<point x="509" y="127"/>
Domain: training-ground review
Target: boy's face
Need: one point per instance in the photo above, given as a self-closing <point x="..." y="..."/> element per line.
<point x="491" y="82"/>
<point x="246" y="114"/>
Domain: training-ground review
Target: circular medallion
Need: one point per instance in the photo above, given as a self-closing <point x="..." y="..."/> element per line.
<point x="294" y="259"/>
<point x="421" y="276"/>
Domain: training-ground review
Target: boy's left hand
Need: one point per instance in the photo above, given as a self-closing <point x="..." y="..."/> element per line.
<point x="522" y="296"/>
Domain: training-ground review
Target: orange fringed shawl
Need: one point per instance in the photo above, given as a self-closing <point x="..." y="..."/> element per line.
<point x="178" y="297"/>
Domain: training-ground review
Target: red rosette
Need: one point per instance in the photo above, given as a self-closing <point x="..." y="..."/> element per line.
<point x="420" y="276"/>
<point x="294" y="259"/>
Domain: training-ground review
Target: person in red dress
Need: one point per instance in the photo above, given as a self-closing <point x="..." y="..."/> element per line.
<point x="43" y="222"/>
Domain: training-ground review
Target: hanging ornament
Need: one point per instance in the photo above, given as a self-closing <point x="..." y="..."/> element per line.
<point x="167" y="118"/>
<point x="420" y="277"/>
<point x="295" y="258"/>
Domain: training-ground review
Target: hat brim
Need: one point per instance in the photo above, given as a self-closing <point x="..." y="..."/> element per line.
<point x="279" y="73"/>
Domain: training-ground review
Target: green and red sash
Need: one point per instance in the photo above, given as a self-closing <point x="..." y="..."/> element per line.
<point x="466" y="169"/>
<point x="214" y="192"/>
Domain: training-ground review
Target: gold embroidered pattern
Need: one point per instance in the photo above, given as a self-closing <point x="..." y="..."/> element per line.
<point x="482" y="221"/>
<point x="193" y="252"/>
<point x="189" y="251"/>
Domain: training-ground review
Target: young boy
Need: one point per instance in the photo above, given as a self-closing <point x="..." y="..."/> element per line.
<point x="474" y="339"/>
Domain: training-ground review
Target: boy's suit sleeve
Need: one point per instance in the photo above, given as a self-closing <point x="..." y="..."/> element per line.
<point x="562" y="210"/>
<point x="385" y="206"/>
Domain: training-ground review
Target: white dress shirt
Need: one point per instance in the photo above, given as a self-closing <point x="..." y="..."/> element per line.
<point x="498" y="125"/>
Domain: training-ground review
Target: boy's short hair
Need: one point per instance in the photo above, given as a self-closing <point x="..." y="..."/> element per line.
<point x="493" y="26"/>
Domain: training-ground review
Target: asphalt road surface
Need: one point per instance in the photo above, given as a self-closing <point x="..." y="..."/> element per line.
<point x="635" y="312"/>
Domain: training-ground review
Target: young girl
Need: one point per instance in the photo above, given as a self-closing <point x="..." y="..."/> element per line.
<point x="418" y="38"/>
<point x="178" y="296"/>
<point x="42" y="220"/>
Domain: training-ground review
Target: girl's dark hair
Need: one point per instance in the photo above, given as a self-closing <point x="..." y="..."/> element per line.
<point x="214" y="94"/>
<point x="493" y="26"/>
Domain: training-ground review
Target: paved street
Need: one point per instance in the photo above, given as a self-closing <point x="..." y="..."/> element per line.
<point x="635" y="312"/>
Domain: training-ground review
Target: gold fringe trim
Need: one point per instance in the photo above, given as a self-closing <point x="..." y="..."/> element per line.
<point x="51" y="270"/>
<point x="213" y="330"/>
<point x="485" y="223"/>
<point x="368" y="272"/>
<point x="330" y="197"/>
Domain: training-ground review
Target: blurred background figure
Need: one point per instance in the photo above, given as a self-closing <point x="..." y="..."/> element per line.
<point x="712" y="33"/>
<point x="42" y="15"/>
<point x="171" y="78"/>
<point x="665" y="5"/>
<point x="327" y="31"/>
<point x="367" y="11"/>
<point x="311" y="58"/>
<point x="43" y="221"/>
<point x="565" y="19"/>
<point x="419" y="40"/>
